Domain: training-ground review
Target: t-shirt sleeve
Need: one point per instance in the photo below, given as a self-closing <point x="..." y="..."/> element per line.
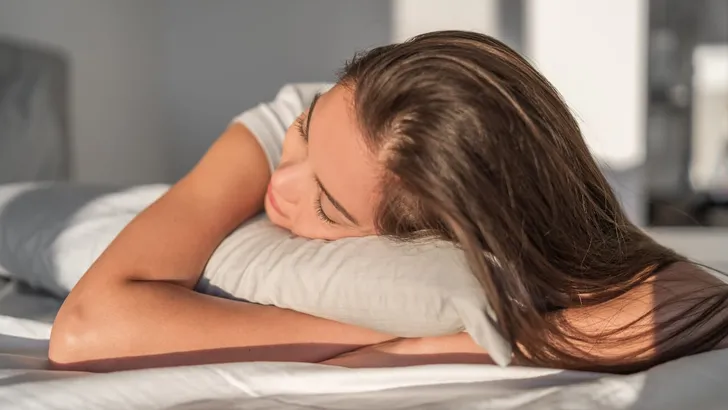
<point x="269" y="121"/>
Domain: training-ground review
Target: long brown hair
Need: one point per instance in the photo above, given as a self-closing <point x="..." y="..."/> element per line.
<point x="480" y="149"/>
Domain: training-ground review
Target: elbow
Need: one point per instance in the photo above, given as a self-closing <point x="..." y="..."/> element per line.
<point x="95" y="330"/>
<point x="69" y="337"/>
<point x="75" y="338"/>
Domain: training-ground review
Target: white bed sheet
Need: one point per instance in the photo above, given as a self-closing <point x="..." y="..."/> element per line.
<point x="691" y="383"/>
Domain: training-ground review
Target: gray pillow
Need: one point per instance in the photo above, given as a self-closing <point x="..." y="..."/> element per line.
<point x="402" y="289"/>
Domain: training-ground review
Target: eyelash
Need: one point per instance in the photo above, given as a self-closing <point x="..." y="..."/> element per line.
<point x="301" y="129"/>
<point x="321" y="214"/>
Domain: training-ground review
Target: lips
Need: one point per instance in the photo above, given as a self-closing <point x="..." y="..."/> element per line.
<point x="273" y="203"/>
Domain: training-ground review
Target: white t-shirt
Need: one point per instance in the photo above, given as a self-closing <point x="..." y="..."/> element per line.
<point x="269" y="121"/>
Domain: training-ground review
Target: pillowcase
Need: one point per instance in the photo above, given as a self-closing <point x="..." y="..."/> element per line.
<point x="51" y="233"/>
<point x="402" y="289"/>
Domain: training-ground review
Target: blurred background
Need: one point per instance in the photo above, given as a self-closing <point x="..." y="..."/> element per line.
<point x="134" y="91"/>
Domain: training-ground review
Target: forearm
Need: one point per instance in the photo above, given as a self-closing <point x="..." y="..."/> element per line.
<point x="458" y="348"/>
<point x="153" y="324"/>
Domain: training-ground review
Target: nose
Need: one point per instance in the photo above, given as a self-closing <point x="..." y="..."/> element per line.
<point x="289" y="180"/>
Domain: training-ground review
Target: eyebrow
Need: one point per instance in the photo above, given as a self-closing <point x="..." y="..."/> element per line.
<point x="333" y="201"/>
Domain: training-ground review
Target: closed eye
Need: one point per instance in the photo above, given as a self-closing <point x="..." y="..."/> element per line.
<point x="301" y="129"/>
<point x="321" y="214"/>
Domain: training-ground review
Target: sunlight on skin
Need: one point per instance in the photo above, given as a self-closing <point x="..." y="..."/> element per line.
<point x="454" y="349"/>
<point x="634" y="308"/>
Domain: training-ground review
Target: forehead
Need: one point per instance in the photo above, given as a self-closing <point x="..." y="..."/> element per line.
<point x="340" y="157"/>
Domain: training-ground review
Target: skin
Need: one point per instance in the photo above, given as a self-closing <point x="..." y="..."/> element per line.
<point x="135" y="307"/>
<point x="325" y="149"/>
<point x="327" y="146"/>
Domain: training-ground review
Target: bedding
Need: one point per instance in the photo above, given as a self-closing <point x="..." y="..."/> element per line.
<point x="20" y="300"/>
<point x="25" y="383"/>
<point x="50" y="233"/>
<point x="403" y="289"/>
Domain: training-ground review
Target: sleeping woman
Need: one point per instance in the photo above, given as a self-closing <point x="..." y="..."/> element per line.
<point x="449" y="135"/>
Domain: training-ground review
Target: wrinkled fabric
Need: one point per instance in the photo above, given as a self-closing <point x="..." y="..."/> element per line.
<point x="691" y="383"/>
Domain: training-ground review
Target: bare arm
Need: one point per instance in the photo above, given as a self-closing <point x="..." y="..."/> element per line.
<point x="151" y="324"/>
<point x="460" y="349"/>
<point x="136" y="301"/>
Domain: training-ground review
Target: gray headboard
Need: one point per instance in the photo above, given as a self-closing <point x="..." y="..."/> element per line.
<point x="34" y="123"/>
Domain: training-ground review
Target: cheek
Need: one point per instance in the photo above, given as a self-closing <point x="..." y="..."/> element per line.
<point x="313" y="228"/>
<point x="307" y="224"/>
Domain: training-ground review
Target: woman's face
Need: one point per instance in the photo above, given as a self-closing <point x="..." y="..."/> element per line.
<point x="326" y="185"/>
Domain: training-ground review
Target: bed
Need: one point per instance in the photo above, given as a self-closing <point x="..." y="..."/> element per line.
<point x="26" y="315"/>
<point x="696" y="382"/>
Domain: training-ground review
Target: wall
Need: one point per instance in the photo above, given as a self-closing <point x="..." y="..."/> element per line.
<point x="709" y="140"/>
<point x="221" y="60"/>
<point x="155" y="82"/>
<point x="114" y="93"/>
<point x="412" y="17"/>
<point x="595" y="54"/>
